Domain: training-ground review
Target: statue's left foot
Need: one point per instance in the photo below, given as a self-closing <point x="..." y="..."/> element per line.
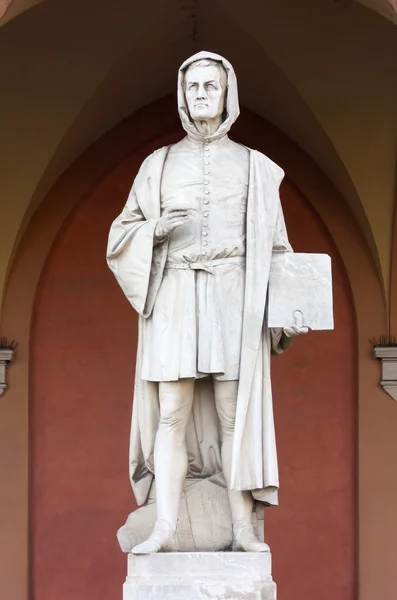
<point x="162" y="539"/>
<point x="245" y="540"/>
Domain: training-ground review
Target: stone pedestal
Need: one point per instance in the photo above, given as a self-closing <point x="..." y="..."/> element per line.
<point x="200" y="576"/>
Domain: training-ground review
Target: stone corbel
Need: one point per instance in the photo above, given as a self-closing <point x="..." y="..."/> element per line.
<point x="6" y="356"/>
<point x="388" y="357"/>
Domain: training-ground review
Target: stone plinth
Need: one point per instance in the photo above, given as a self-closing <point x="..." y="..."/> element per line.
<point x="200" y="576"/>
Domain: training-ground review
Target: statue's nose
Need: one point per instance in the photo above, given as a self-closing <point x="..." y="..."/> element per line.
<point x="201" y="93"/>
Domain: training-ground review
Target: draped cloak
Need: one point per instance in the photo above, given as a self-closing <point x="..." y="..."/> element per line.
<point x="138" y="264"/>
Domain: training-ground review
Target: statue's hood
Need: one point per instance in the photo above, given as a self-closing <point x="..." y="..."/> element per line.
<point x="232" y="106"/>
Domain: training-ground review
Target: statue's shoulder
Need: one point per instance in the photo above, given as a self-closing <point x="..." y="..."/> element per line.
<point x="152" y="165"/>
<point x="157" y="156"/>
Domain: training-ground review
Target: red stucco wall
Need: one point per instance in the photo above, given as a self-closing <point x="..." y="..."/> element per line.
<point x="83" y="347"/>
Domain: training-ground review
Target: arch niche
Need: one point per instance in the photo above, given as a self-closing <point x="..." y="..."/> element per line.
<point x="81" y="364"/>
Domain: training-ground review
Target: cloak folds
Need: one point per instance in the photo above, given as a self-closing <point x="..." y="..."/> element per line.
<point x="138" y="266"/>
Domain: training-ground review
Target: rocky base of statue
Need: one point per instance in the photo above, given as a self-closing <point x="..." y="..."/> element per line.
<point x="204" y="523"/>
<point x="200" y="576"/>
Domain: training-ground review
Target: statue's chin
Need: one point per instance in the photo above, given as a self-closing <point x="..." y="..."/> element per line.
<point x="201" y="115"/>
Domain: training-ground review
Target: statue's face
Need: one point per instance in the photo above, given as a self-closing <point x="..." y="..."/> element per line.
<point x="205" y="94"/>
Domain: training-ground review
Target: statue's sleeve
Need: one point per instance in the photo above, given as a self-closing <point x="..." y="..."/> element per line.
<point x="279" y="341"/>
<point x="135" y="257"/>
<point x="281" y="242"/>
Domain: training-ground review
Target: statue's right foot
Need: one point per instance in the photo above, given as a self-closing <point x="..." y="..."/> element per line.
<point x="162" y="539"/>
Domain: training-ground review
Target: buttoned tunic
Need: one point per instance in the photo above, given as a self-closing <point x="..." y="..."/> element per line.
<point x="196" y="325"/>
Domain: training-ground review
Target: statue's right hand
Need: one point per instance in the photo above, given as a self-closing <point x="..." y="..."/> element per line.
<point x="170" y="219"/>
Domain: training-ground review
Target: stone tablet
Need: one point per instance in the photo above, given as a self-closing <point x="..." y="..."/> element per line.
<point x="300" y="291"/>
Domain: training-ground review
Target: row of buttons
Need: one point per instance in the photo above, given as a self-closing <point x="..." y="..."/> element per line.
<point x="206" y="193"/>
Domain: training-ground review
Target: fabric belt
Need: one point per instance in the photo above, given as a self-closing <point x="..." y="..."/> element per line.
<point x="207" y="266"/>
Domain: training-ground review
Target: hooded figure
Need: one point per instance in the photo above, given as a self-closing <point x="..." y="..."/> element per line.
<point x="200" y="292"/>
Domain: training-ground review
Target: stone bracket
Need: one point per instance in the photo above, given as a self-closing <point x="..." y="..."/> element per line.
<point x="6" y="356"/>
<point x="388" y="357"/>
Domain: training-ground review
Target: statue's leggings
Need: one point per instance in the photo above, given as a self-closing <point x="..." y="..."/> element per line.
<point x="170" y="454"/>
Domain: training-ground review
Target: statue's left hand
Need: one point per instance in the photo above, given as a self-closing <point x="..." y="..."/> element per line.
<point x="294" y="331"/>
<point x="298" y="328"/>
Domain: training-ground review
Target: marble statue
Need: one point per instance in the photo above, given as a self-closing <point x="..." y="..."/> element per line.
<point x="192" y="251"/>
